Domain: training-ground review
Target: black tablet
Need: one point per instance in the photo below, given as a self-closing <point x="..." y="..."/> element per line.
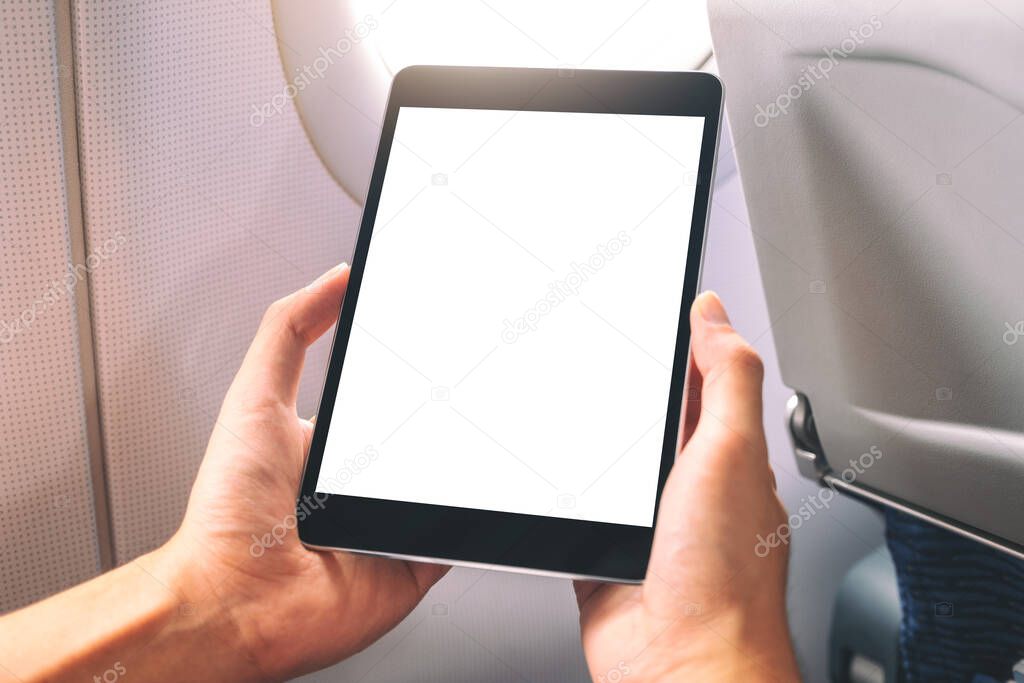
<point x="507" y="373"/>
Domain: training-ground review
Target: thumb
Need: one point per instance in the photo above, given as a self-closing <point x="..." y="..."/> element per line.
<point x="724" y="461"/>
<point x="273" y="365"/>
<point x="731" y="372"/>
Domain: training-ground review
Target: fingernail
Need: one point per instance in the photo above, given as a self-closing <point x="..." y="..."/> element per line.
<point x="711" y="309"/>
<point x="317" y="283"/>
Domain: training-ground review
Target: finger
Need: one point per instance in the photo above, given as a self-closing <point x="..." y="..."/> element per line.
<point x="426" y="574"/>
<point x="307" y="435"/>
<point x="691" y="402"/>
<point x="583" y="590"/>
<point x="273" y="364"/>
<point x="732" y="373"/>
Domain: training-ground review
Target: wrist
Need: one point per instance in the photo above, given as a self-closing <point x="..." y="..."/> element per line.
<point x="741" y="646"/>
<point x="204" y="613"/>
<point x="149" y="619"/>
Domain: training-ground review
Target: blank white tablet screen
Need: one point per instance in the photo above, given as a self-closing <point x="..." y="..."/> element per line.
<point x="513" y="340"/>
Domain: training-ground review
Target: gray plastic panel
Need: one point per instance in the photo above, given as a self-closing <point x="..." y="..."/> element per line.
<point x="887" y="198"/>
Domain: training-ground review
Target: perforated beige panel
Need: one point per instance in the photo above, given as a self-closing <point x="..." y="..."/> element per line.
<point x="47" y="530"/>
<point x="215" y="212"/>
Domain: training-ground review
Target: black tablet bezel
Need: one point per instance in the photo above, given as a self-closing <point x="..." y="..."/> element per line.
<point x="601" y="550"/>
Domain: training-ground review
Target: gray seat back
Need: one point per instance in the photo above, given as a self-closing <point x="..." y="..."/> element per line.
<point x="879" y="147"/>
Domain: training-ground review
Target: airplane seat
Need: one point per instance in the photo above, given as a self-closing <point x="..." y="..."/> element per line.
<point x="878" y="146"/>
<point x="960" y="604"/>
<point x="930" y="605"/>
<point x="864" y="635"/>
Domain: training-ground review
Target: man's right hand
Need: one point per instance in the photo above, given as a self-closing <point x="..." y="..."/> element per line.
<point x="710" y="608"/>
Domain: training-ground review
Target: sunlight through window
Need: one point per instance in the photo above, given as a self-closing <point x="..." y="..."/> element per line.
<point x="641" y="34"/>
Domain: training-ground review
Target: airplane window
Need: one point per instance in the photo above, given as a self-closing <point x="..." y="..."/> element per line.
<point x="639" y="34"/>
